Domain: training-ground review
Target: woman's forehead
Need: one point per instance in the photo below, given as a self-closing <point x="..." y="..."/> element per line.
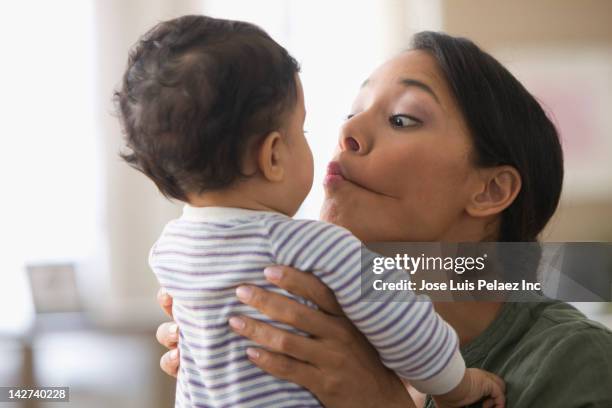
<point x="413" y="65"/>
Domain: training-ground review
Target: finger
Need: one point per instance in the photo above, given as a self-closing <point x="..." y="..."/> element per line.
<point x="497" y="391"/>
<point x="167" y="334"/>
<point x="498" y="380"/>
<point x="305" y="285"/>
<point x="169" y="362"/>
<point x="285" y="368"/>
<point x="288" y="311"/>
<point x="499" y="399"/>
<point x="300" y="347"/>
<point x="489" y="403"/>
<point x="165" y="301"/>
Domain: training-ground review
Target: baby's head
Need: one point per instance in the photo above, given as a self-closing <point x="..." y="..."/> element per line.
<point x="211" y="106"/>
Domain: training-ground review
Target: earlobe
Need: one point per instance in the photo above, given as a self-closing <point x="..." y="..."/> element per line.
<point x="270" y="157"/>
<point x="498" y="190"/>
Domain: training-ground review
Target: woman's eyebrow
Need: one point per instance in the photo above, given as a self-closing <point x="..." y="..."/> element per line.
<point x="419" y="84"/>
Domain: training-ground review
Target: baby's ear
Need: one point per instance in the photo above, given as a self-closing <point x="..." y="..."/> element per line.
<point x="269" y="157"/>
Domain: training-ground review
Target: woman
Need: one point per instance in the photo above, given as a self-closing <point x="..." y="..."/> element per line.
<point x="442" y="144"/>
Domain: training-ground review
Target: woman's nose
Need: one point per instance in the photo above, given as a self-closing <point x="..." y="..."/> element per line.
<point x="349" y="143"/>
<point x="352" y="141"/>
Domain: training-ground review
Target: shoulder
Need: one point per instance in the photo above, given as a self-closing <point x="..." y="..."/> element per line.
<point x="305" y="243"/>
<point x="565" y="326"/>
<point x="279" y="226"/>
<point x="564" y="360"/>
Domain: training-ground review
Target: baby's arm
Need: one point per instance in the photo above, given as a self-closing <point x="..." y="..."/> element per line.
<point x="410" y="337"/>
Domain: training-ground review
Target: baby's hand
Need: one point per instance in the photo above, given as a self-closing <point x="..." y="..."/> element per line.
<point x="476" y="385"/>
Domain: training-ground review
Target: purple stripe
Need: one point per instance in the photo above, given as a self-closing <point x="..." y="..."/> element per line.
<point x="219" y="365"/>
<point x="346" y="285"/>
<point x="190" y="323"/>
<point x="228" y="282"/>
<point x="212" y="342"/>
<point x="394" y="322"/>
<point x="233" y="339"/>
<point x="213" y="254"/>
<point x="187" y="223"/>
<point x="344" y="260"/>
<point x="274" y="226"/>
<point x="225" y="304"/>
<point x="435" y="355"/>
<point x="354" y="302"/>
<point x="267" y="286"/>
<point x="192" y="288"/>
<point x="214" y="272"/>
<point x="292" y="234"/>
<point x="188" y="359"/>
<point x="265" y="394"/>
<point x="228" y="384"/>
<point x="224" y="363"/>
<point x="281" y="388"/>
<point x="417" y="326"/>
<point x="325" y="251"/>
<point x="303" y="401"/>
<point x="187" y="322"/>
<point x="371" y="314"/>
<point x="315" y="235"/>
<point x="219" y="294"/>
<point x="414" y="352"/>
<point x="402" y="339"/>
<point x="218" y="237"/>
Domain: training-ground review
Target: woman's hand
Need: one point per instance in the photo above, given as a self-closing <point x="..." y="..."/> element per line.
<point x="336" y="363"/>
<point x="167" y="336"/>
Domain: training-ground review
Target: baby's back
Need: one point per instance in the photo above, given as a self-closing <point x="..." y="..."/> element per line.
<point x="201" y="264"/>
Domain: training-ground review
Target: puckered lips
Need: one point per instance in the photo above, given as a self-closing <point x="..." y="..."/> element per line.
<point x="334" y="174"/>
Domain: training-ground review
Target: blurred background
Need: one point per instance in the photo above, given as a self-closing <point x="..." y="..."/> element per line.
<point x="78" y="302"/>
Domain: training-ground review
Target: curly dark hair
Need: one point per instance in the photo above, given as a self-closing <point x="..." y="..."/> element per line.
<point x="197" y="92"/>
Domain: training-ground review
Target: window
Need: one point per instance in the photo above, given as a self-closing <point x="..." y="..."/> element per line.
<point x="48" y="165"/>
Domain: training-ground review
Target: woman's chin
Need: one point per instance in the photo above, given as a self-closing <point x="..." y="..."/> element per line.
<point x="370" y="217"/>
<point x="329" y="210"/>
<point x="340" y="210"/>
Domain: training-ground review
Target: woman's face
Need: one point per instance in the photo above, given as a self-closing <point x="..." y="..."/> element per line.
<point x="403" y="169"/>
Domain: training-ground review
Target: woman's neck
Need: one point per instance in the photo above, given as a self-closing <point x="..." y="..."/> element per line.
<point x="469" y="319"/>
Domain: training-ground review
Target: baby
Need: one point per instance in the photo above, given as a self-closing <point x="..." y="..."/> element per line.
<point x="213" y="112"/>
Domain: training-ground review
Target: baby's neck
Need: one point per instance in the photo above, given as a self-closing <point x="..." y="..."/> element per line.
<point x="231" y="197"/>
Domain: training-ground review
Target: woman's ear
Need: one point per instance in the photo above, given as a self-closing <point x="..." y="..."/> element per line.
<point x="269" y="158"/>
<point x="499" y="186"/>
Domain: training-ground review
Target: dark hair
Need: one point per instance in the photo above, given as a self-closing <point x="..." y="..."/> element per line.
<point x="508" y="127"/>
<point x="196" y="93"/>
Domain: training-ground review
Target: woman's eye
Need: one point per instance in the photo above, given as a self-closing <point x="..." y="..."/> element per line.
<point x="403" y="121"/>
<point x="349" y="116"/>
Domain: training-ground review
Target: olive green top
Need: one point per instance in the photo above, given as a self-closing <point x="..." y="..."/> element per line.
<point x="549" y="354"/>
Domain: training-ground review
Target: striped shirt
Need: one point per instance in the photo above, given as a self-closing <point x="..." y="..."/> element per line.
<point x="203" y="256"/>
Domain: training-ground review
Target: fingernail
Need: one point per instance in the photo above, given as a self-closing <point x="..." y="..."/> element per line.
<point x="237" y="323"/>
<point x="165" y="298"/>
<point x="252" y="353"/>
<point x="273" y="273"/>
<point x="174" y="354"/>
<point x="244" y="293"/>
